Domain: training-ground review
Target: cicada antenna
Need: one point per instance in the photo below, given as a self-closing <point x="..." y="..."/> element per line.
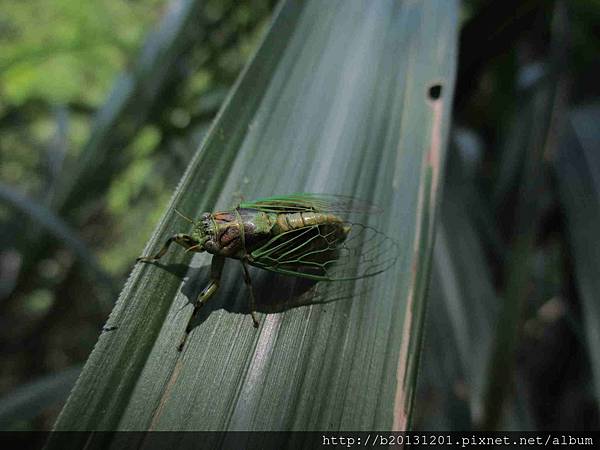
<point x="180" y="214"/>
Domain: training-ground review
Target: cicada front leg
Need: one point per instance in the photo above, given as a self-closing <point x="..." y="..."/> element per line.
<point x="216" y="269"/>
<point x="184" y="240"/>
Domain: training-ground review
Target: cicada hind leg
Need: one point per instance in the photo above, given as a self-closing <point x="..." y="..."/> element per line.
<point x="216" y="270"/>
<point x="248" y="282"/>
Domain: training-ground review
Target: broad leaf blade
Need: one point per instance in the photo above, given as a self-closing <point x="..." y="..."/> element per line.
<point x="577" y="169"/>
<point x="336" y="100"/>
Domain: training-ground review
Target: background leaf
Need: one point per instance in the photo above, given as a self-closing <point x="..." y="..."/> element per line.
<point x="577" y="169"/>
<point x="463" y="307"/>
<point x="53" y="225"/>
<point x="27" y="401"/>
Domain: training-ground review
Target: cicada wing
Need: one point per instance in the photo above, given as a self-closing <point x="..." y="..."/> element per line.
<point x="331" y="252"/>
<point x="330" y="203"/>
<point x="364" y="253"/>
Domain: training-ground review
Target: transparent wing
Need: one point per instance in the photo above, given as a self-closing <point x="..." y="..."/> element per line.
<point x="328" y="252"/>
<point x="311" y="202"/>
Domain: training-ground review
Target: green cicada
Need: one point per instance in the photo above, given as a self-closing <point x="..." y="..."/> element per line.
<point x="303" y="235"/>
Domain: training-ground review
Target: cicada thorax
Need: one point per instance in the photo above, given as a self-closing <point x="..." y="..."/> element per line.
<point x="235" y="233"/>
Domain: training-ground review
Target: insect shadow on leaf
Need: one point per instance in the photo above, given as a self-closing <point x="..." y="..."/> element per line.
<point x="275" y="293"/>
<point x="312" y="237"/>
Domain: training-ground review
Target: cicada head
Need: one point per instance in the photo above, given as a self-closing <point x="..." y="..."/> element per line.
<point x="201" y="233"/>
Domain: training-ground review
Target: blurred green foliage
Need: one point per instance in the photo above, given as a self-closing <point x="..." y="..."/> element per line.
<point x="59" y="62"/>
<point x="68" y="51"/>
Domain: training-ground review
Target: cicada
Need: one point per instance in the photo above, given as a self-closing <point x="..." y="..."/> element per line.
<point x="303" y="235"/>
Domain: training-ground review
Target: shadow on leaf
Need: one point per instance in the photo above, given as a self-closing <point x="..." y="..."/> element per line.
<point x="274" y="293"/>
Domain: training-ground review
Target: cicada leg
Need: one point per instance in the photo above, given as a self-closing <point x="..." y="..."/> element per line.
<point x="248" y="281"/>
<point x="216" y="269"/>
<point x="160" y="253"/>
<point x="182" y="239"/>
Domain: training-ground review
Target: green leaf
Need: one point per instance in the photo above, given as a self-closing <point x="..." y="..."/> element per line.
<point x="461" y="312"/>
<point x="336" y="100"/>
<point x="26" y="401"/>
<point x="577" y="168"/>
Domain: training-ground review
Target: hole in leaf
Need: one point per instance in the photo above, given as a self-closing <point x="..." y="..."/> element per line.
<point x="435" y="91"/>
